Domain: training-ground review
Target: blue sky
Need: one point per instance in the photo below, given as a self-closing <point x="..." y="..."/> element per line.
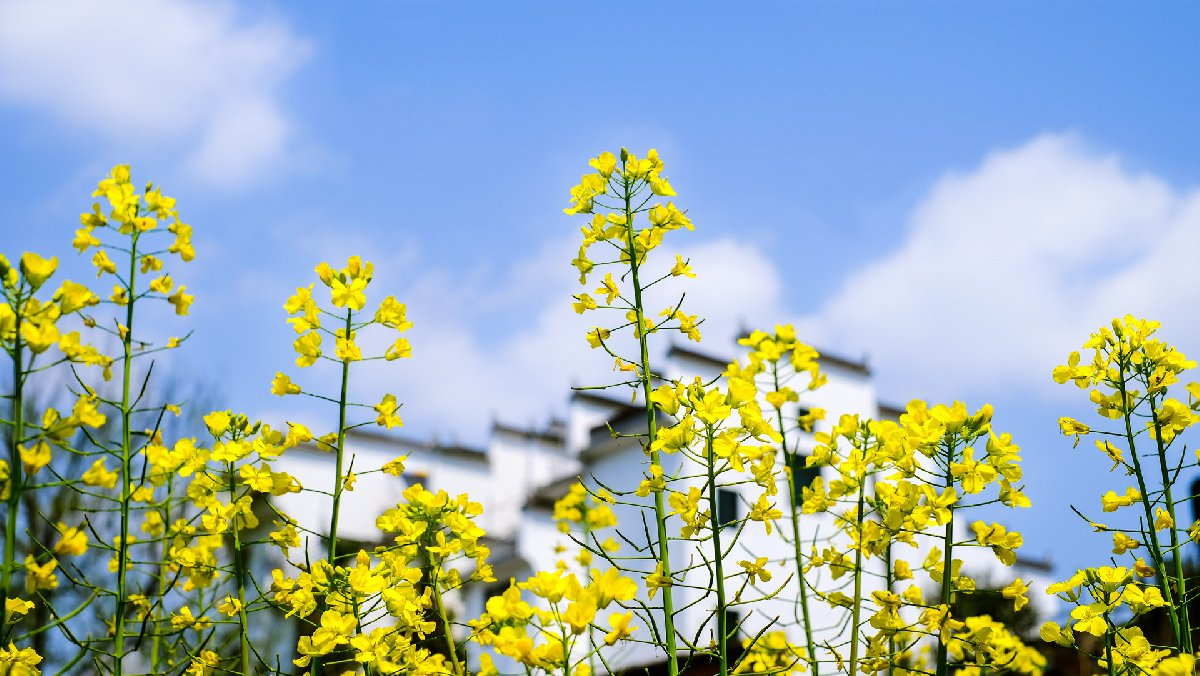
<point x="958" y="191"/>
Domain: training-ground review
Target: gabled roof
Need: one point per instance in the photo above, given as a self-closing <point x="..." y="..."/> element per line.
<point x="548" y="494"/>
<point x="891" y="411"/>
<point x="459" y="451"/>
<point x="553" y="434"/>
<point x="825" y="359"/>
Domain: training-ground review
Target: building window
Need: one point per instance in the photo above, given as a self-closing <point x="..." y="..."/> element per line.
<point x="732" y="621"/>
<point x="727" y="507"/>
<point x="802" y="476"/>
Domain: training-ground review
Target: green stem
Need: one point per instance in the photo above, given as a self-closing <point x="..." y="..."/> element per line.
<point x="126" y="459"/>
<point x="331" y="551"/>
<point x="566" y="667"/>
<point x="445" y="617"/>
<point x="888" y="575"/>
<point x="1108" y="656"/>
<point x="943" y="658"/>
<point x="718" y="556"/>
<point x="340" y="450"/>
<point x="798" y="551"/>
<point x="856" y="612"/>
<point x="239" y="571"/>
<point x="16" y="471"/>
<point x="660" y="507"/>
<point x="1183" y="636"/>
<point x="587" y="576"/>
<point x="156" y="642"/>
<point x="1155" y="548"/>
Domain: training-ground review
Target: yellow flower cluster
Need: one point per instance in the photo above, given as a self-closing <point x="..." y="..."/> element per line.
<point x="899" y="492"/>
<point x="985" y="645"/>
<point x="626" y="183"/>
<point x="772" y="653"/>
<point x="1129" y="379"/>
<point x="545" y="637"/>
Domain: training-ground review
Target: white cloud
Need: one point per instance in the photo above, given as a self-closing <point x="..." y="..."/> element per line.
<point x="1008" y="267"/>
<point x="153" y="72"/>
<point x="465" y="370"/>
<point x="1004" y="269"/>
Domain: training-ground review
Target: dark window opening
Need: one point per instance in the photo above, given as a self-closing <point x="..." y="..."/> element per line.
<point x="732" y="618"/>
<point x="727" y="507"/>
<point x="802" y="475"/>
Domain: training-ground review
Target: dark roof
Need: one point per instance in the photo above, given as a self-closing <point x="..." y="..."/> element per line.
<point x="621" y="420"/>
<point x="553" y="434"/>
<point x="1043" y="565"/>
<point x="449" y="450"/>
<point x="891" y="410"/>
<point x="503" y="550"/>
<point x="548" y="494"/>
<point x="596" y="397"/>
<point x="825" y="358"/>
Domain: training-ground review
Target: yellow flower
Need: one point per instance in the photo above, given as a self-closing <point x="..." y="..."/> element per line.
<point x="386" y="409"/>
<point x="39" y="335"/>
<point x="657" y="580"/>
<point x="36" y="269"/>
<point x="349" y="295"/>
<point x="605" y="163"/>
<point x="399" y="350"/>
<point x="597" y="336"/>
<point x="283" y="385"/>
<point x="16" y="608"/>
<point x="756" y="569"/>
<point x="1016" y="591"/>
<point x="22" y="661"/>
<point x="1090" y="619"/>
<point x="486" y="666"/>
<point x="682" y="268"/>
<point x="765" y="512"/>
<point x="184" y="619"/>
<point x="620" y="627"/>
<point x="1123" y="543"/>
<point x="609" y="289"/>
<point x="712" y="408"/>
<point x="230" y="607"/>
<point x="308" y="346"/>
<point x="99" y="475"/>
<point x="72" y="541"/>
<point x="1162" y="519"/>
<point x="579" y="615"/>
<point x="40" y="576"/>
<point x="297" y="434"/>
<point x="395" y="467"/>
<point x="975" y="476"/>
<point x="551" y="586"/>
<point x="204" y="664"/>
<point x="393" y="314"/>
<point x="1110" y="501"/>
<point x="347" y="350"/>
<point x="163" y="284"/>
<point x="218" y="422"/>
<point x="183" y="241"/>
<point x="72" y="297"/>
<point x="182" y="301"/>
<point x="583" y="303"/>
<point x="34" y="459"/>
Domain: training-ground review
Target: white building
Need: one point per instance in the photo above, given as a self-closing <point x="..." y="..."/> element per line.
<point x="521" y="473"/>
